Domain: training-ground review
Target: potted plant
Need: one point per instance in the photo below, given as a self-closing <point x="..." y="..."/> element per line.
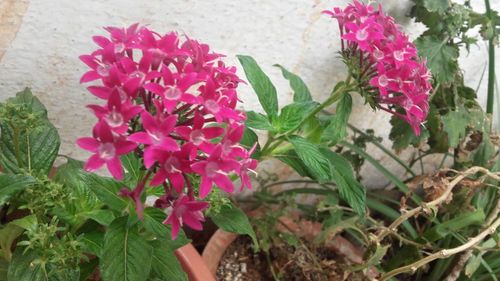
<point x="447" y="213"/>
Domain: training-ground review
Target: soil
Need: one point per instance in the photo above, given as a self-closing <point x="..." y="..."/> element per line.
<point x="304" y="262"/>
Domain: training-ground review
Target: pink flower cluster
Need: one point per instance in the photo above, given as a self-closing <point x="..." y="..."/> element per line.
<point x="173" y="104"/>
<point x="388" y="61"/>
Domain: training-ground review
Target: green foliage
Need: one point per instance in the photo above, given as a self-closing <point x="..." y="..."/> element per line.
<point x="106" y="189"/>
<point x="292" y="116"/>
<point x="301" y="92"/>
<point x="350" y="189"/>
<point x="11" y="184"/>
<point x="164" y="263"/>
<point x="153" y="223"/>
<point x="441" y="57"/>
<point x="231" y="219"/>
<point x="337" y="128"/>
<point x="258" y="121"/>
<point x="455" y="123"/>
<point x="262" y="85"/>
<point x="316" y="162"/>
<point x="439" y="6"/>
<point x="28" y="141"/>
<point x="126" y="255"/>
<point x="402" y="134"/>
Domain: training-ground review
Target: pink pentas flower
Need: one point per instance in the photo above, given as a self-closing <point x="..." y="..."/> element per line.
<point x="156" y="136"/>
<point x="215" y="170"/>
<point x="107" y="149"/>
<point x="186" y="211"/>
<point x="116" y="113"/>
<point x="171" y="102"/>
<point x="384" y="62"/>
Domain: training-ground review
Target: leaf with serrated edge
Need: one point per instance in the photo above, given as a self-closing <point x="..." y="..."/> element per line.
<point x="126" y="256"/>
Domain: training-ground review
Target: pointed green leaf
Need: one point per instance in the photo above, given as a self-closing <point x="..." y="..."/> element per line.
<point x="262" y="85"/>
<point x="349" y="188"/>
<point x="232" y="219"/>
<point x="258" y="121"/>
<point x="28" y="141"/>
<point x="165" y="265"/>
<point x="126" y="256"/>
<point x="337" y="129"/>
<point x="106" y="189"/>
<point x="11" y="184"/>
<point x="300" y="91"/>
<point x="317" y="163"/>
<point x="22" y="267"/>
<point x="293" y="115"/>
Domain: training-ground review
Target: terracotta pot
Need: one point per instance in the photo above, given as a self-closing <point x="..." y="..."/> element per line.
<point x="193" y="264"/>
<point x="221" y="240"/>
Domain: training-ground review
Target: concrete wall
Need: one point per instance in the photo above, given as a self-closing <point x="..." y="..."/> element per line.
<point x="40" y="41"/>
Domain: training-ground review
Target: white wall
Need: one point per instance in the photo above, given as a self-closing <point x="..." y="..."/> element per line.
<point x="40" y="41"/>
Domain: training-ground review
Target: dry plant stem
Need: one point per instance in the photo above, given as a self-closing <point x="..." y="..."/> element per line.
<point x="457" y="269"/>
<point x="445" y="253"/>
<point x="425" y="206"/>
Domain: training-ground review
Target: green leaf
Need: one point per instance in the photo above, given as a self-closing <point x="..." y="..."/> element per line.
<point x="337" y="129"/>
<point x="29" y="222"/>
<point x="248" y="140"/>
<point x="315" y="161"/>
<point x="402" y="134"/>
<point x="93" y="242"/>
<point x="153" y="218"/>
<point x="292" y="116"/>
<point x="28" y="141"/>
<point x="461" y="221"/>
<point x="232" y="219"/>
<point x="25" y="97"/>
<point x="11" y="184"/>
<point x="104" y="217"/>
<point x="84" y="202"/>
<point x="441" y="58"/>
<point x="301" y="92"/>
<point x="8" y="234"/>
<point x="292" y="159"/>
<point x="106" y="189"/>
<point x="455" y="125"/>
<point x="32" y="151"/>
<point x="22" y="267"/>
<point x="262" y="85"/>
<point x="4" y="268"/>
<point x="349" y="187"/>
<point x="258" y="121"/>
<point x="472" y="265"/>
<point x="439" y="6"/>
<point x="165" y="265"/>
<point x="27" y="266"/>
<point x="132" y="165"/>
<point x="126" y="256"/>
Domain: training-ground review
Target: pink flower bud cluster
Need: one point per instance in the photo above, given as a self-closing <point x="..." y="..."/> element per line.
<point x="388" y="61"/>
<point x="172" y="103"/>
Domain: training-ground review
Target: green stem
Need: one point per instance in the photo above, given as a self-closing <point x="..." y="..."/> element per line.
<point x="491" y="63"/>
